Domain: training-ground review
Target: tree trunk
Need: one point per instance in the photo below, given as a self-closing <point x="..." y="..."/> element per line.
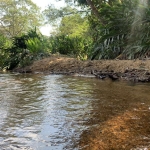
<point x="95" y="11"/>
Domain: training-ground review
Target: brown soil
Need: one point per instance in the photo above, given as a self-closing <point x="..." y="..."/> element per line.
<point x="135" y="70"/>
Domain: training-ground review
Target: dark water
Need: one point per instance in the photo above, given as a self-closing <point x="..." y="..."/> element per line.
<point x="50" y="112"/>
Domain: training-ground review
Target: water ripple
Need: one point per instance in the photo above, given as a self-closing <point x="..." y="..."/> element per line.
<point x="51" y="112"/>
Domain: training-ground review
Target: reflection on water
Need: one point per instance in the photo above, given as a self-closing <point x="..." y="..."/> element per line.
<point x="51" y="112"/>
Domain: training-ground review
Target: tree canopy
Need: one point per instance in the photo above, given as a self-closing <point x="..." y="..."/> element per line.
<point x="73" y="25"/>
<point x="18" y="16"/>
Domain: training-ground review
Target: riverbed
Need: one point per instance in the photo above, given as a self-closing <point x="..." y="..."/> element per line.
<point x="55" y="112"/>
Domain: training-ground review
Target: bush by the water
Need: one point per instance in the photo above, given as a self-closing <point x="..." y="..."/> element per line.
<point x="24" y="50"/>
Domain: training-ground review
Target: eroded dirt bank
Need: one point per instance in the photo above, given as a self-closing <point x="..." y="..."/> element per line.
<point x="134" y="70"/>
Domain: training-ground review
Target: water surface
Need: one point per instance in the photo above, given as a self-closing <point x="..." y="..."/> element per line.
<point x="50" y="112"/>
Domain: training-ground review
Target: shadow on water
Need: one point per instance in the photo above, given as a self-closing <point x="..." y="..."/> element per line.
<point x="120" y="117"/>
<point x="62" y="112"/>
<point x="119" y="114"/>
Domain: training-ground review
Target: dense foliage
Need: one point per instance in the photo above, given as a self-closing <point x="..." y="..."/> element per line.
<point x="24" y="50"/>
<point x="87" y="29"/>
<point x="123" y="28"/>
<point x="74" y="25"/>
<point x="74" y="46"/>
<point x="117" y="27"/>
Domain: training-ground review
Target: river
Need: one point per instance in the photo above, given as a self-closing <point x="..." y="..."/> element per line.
<point x="51" y="112"/>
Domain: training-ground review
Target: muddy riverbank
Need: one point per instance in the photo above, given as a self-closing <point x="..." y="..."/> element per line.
<point x="133" y="70"/>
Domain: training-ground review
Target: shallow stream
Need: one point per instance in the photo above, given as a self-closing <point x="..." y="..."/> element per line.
<point x="50" y="112"/>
